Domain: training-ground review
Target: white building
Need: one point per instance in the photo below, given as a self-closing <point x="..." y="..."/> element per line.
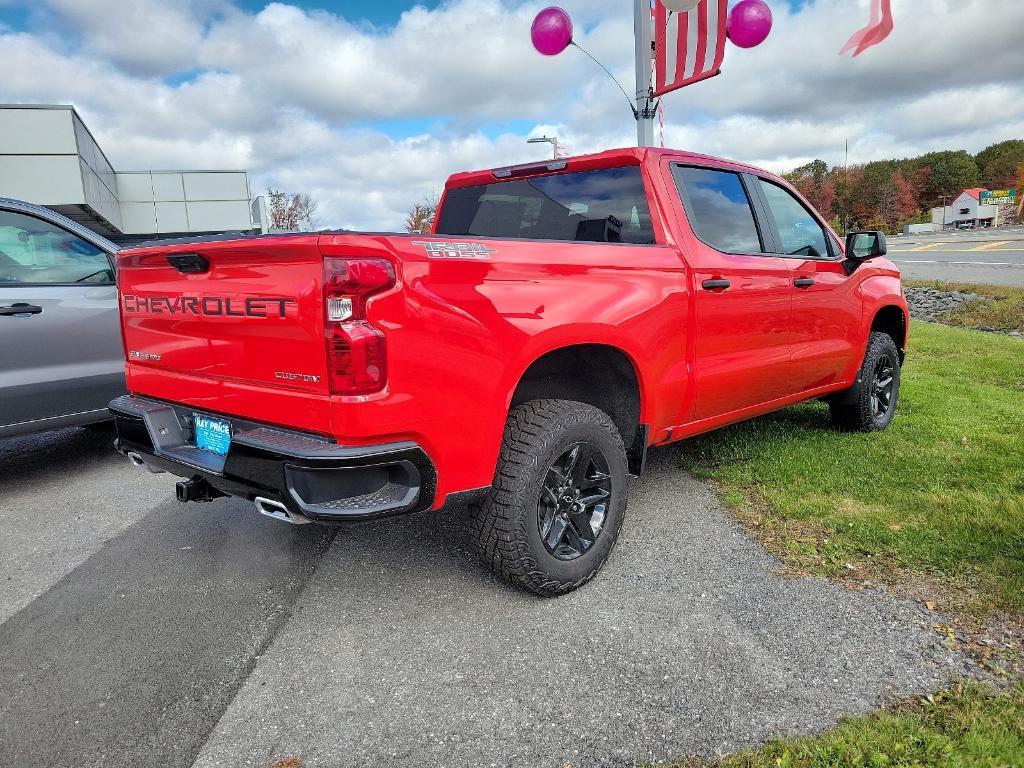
<point x="49" y="157"/>
<point x="967" y="210"/>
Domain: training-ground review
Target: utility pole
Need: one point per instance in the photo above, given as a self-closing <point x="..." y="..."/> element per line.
<point x="846" y="191"/>
<point x="643" y="31"/>
<point x="944" y="212"/>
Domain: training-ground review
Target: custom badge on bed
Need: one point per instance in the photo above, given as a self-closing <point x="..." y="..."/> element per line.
<point x="212" y="435"/>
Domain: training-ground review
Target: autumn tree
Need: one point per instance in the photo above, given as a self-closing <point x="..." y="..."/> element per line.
<point x="904" y="202"/>
<point x="1020" y="190"/>
<point x="421" y="217"/>
<point x="813" y="182"/>
<point x="847" y="183"/>
<point x="292" y="212"/>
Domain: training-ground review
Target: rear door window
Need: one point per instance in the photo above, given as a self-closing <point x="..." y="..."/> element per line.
<point x="34" y="251"/>
<point x="604" y="206"/>
<point x="718" y="208"/>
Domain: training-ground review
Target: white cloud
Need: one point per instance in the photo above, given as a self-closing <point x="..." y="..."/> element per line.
<point x="297" y="97"/>
<point x="147" y="37"/>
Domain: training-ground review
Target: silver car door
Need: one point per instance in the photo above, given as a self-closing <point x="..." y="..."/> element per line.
<point x="60" y="343"/>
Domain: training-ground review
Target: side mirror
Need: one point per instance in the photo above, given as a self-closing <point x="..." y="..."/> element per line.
<point x="861" y="246"/>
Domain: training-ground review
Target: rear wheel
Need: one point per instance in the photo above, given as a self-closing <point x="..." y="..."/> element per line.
<point x="558" y="499"/>
<point x="874" y="405"/>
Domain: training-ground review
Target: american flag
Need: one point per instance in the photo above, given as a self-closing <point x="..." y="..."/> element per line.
<point x="688" y="47"/>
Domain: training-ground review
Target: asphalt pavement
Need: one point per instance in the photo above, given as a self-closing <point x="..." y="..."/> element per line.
<point x="150" y="633"/>
<point x="967" y="256"/>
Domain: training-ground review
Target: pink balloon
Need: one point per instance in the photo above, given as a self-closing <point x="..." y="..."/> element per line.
<point x="750" y="21"/>
<point x="551" y="32"/>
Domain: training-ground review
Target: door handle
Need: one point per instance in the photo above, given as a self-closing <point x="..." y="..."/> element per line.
<point x="715" y="285"/>
<point x="21" y="309"/>
<point x="803" y="282"/>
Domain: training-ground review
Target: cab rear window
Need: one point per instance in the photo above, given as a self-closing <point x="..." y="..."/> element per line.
<point x="605" y="206"/>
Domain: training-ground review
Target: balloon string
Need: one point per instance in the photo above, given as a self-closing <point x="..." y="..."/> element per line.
<point x="602" y="66"/>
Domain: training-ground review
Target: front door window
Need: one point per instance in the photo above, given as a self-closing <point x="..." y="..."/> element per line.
<point x="800" y="234"/>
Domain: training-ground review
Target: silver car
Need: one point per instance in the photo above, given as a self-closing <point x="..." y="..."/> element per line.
<point x="61" y="355"/>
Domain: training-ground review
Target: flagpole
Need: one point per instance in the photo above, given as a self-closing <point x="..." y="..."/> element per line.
<point x="642" y="30"/>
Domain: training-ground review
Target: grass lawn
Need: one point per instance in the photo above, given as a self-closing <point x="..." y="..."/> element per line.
<point x="939" y="498"/>
<point x="1004" y="311"/>
<point x="967" y="726"/>
<point x="933" y="506"/>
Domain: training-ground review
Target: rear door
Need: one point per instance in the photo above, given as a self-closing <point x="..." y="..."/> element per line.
<point x="743" y="295"/>
<point x="59" y="337"/>
<point x="826" y="307"/>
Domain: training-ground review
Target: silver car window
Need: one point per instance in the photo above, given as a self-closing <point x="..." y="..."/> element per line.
<point x="34" y="251"/>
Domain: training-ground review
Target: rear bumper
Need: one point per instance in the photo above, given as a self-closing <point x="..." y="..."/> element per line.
<point x="313" y="477"/>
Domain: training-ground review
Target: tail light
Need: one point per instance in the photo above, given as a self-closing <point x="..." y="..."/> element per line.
<point x="356" y="350"/>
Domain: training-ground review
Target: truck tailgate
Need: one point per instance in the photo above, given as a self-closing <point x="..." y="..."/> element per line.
<point x="202" y="320"/>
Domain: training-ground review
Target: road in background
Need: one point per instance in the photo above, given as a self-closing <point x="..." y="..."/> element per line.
<point x="983" y="256"/>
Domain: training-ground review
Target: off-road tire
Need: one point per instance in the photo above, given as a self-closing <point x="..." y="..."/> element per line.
<point x="505" y="524"/>
<point x="859" y="415"/>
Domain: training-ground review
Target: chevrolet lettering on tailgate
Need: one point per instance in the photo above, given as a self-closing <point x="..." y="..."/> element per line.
<point x="208" y="306"/>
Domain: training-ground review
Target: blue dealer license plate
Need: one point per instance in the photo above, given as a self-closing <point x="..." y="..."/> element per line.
<point x="212" y="434"/>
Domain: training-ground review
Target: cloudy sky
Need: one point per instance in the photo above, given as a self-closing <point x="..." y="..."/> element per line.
<point x="370" y="104"/>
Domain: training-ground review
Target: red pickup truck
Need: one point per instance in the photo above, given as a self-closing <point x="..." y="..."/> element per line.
<point x="560" y="318"/>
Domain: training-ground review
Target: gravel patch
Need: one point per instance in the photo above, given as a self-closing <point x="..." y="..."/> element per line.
<point x="403" y="652"/>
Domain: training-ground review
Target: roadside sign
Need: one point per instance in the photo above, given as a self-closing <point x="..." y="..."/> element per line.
<point x="998" y="196"/>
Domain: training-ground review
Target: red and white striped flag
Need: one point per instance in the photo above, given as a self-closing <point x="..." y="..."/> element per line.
<point x="688" y="47"/>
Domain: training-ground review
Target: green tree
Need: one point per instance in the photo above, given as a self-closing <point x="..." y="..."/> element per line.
<point x="999" y="163"/>
<point x="814" y="171"/>
<point x="951" y="173"/>
<point x="873" y="194"/>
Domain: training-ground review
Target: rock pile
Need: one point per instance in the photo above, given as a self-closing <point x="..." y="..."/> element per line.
<point x="930" y="303"/>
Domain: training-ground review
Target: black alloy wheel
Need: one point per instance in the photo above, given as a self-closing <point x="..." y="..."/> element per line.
<point x="882" y="385"/>
<point x="554" y="511"/>
<point x="573" y="501"/>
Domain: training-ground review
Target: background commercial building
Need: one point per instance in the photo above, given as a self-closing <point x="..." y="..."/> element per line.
<point x="977" y="208"/>
<point x="49" y="157"/>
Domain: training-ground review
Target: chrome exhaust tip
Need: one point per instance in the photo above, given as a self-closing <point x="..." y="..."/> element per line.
<point x="137" y="461"/>
<point x="278" y="511"/>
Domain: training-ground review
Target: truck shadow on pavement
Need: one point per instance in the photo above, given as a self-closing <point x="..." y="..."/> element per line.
<point x="205" y="629"/>
<point x="63" y="452"/>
